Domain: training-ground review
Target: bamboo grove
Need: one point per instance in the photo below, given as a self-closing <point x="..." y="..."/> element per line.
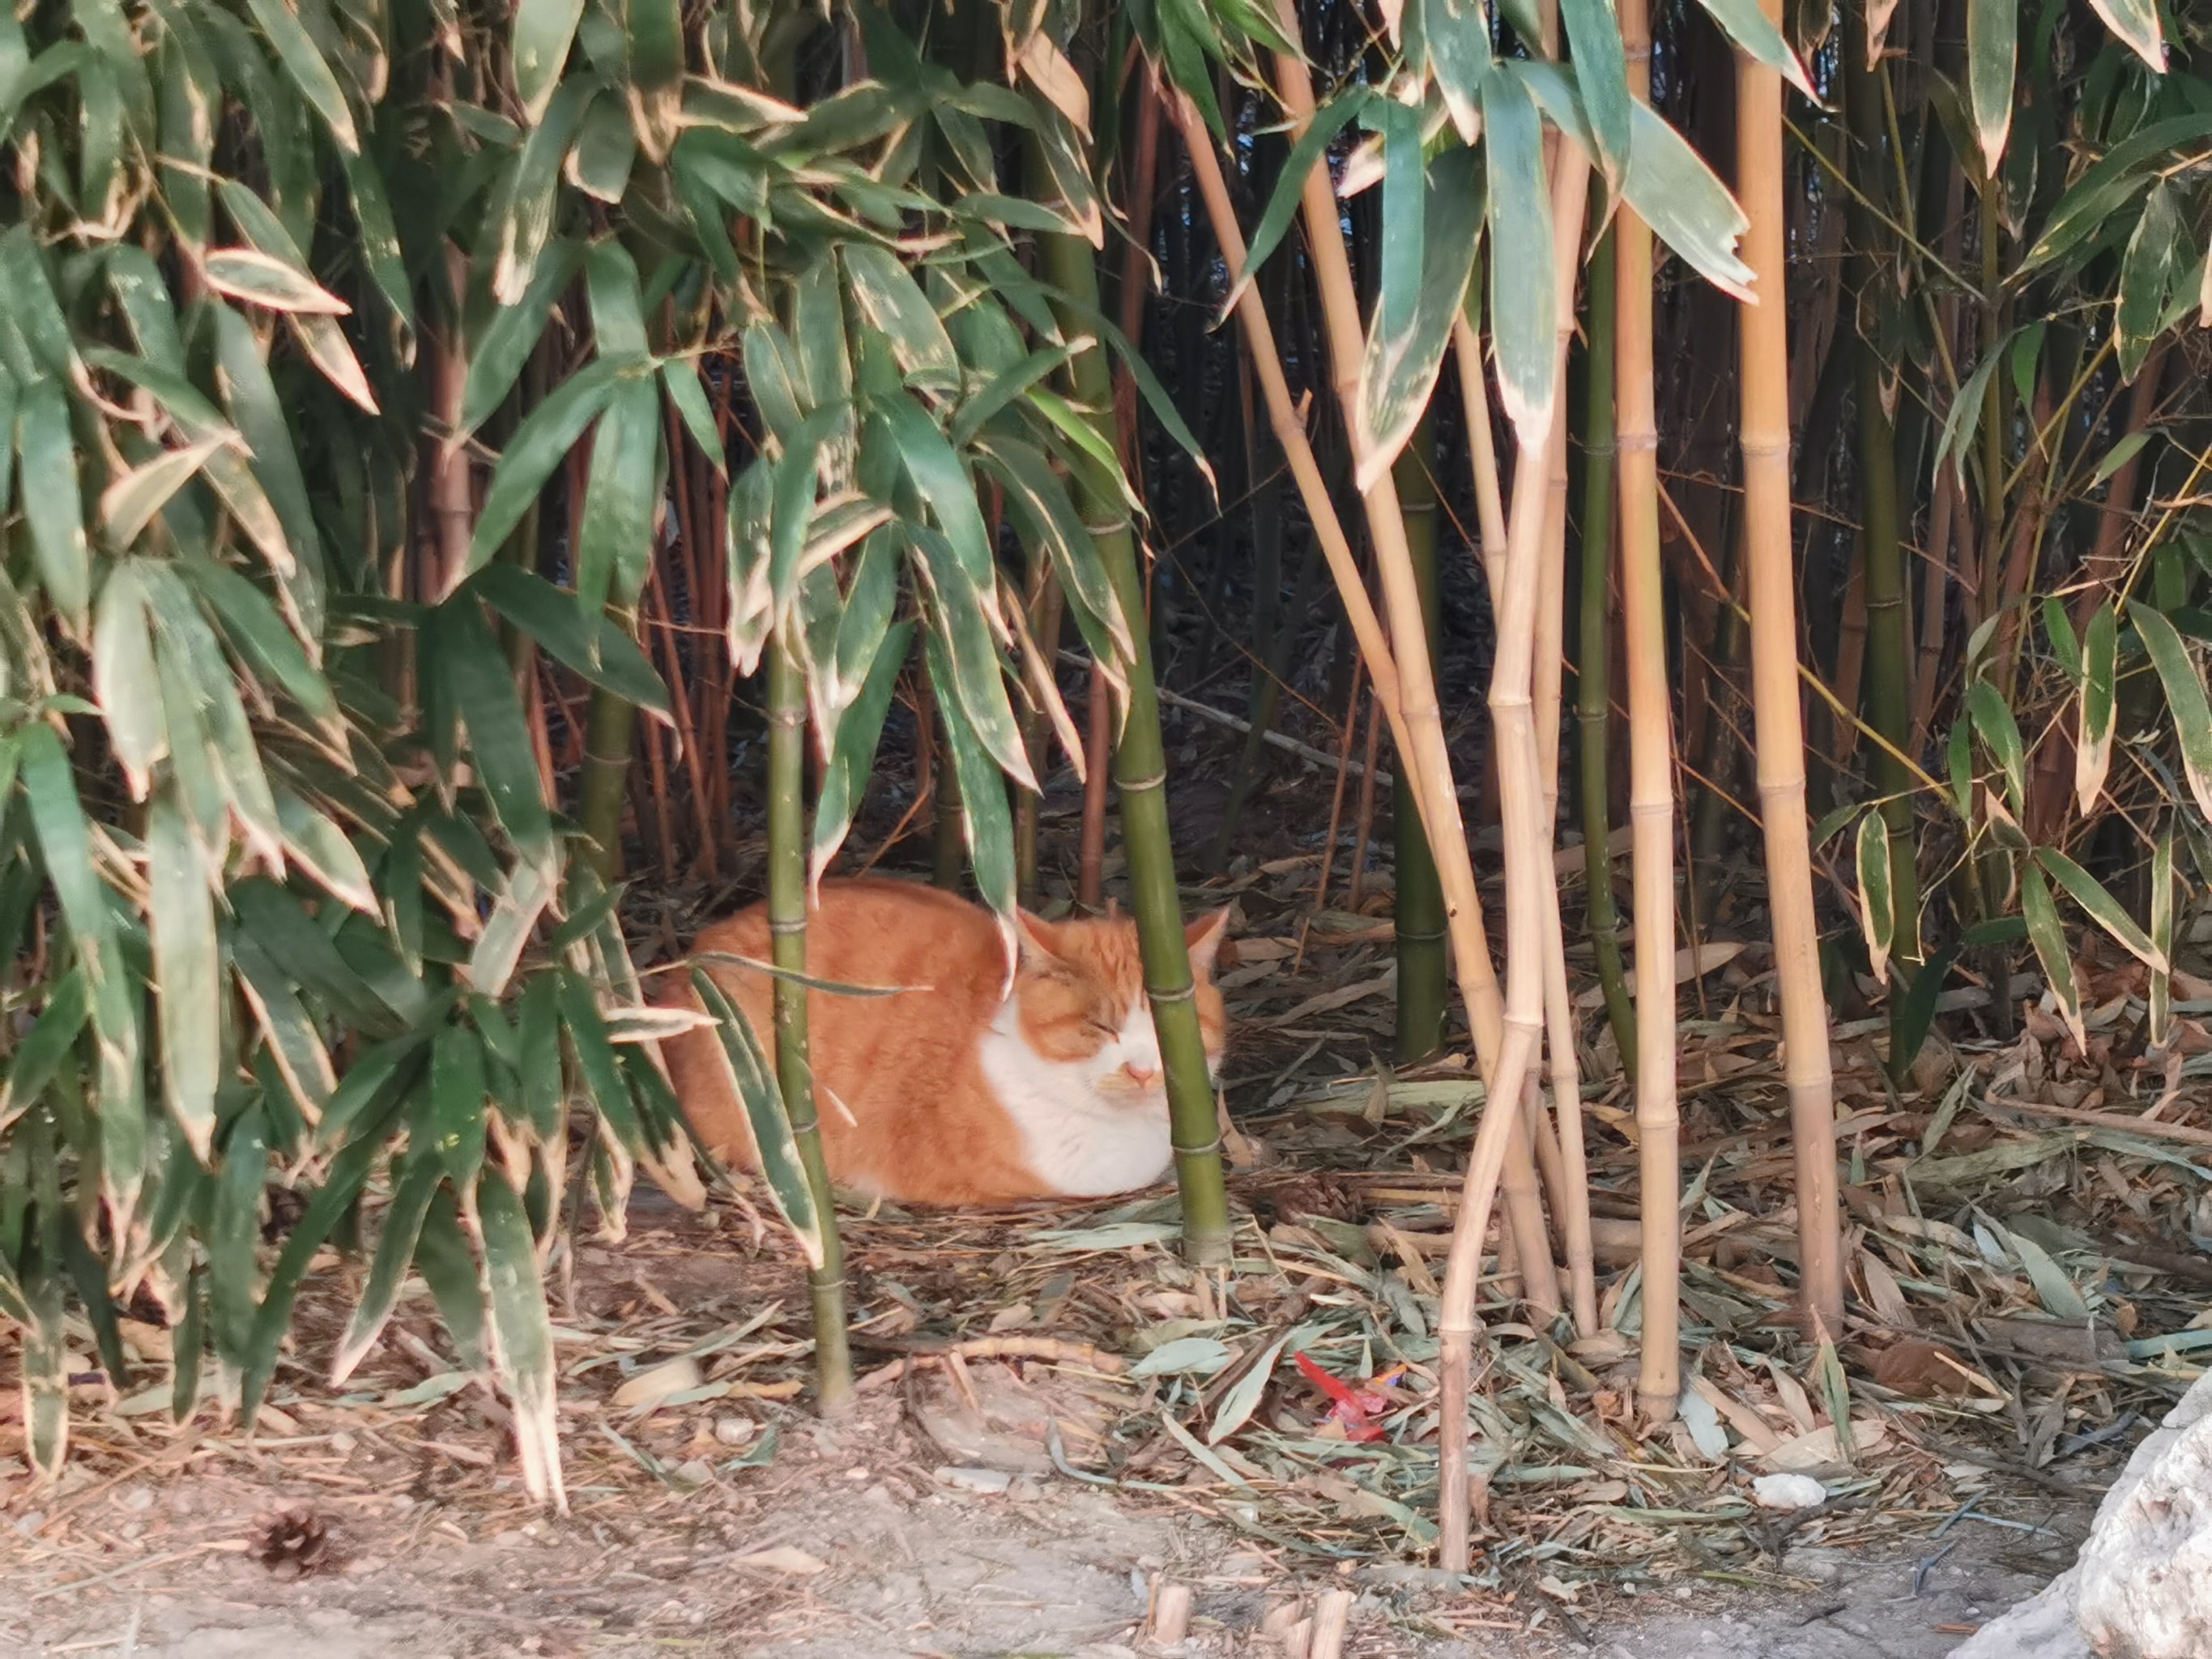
<point x="465" y="453"/>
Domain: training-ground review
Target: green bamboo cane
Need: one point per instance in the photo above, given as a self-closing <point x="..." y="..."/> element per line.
<point x="786" y="922"/>
<point x="1141" y="783"/>
<point x="1887" y="703"/>
<point x="610" y="729"/>
<point x="1592" y="674"/>
<point x="1423" y="992"/>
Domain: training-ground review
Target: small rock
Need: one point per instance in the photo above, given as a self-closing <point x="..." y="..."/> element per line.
<point x="784" y="1558"/>
<point x="992" y="1481"/>
<point x="654" y="1386"/>
<point x="136" y="1499"/>
<point x="1788" y="1492"/>
<point x="510" y="1538"/>
<point x="1024" y="1490"/>
<point x="735" y="1431"/>
<point x="695" y="1472"/>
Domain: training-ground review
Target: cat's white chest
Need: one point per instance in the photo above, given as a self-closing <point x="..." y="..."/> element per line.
<point x="1074" y="1141"/>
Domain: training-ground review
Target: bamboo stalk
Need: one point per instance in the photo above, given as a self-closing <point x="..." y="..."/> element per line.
<point x="1141" y="779"/>
<point x="1097" y="740"/>
<point x="1651" y="777"/>
<point x="1778" y="720"/>
<point x="1418" y="909"/>
<point x="787" y="922"/>
<point x="1363" y="832"/>
<point x="1426" y="757"/>
<point x="1593" y="670"/>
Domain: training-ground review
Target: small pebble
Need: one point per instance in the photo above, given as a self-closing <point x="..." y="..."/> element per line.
<point x="974" y="1479"/>
<point x="1788" y="1492"/>
<point x="735" y="1431"/>
<point x="695" y="1472"/>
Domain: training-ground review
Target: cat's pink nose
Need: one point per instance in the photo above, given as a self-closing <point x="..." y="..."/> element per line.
<point x="1143" y="1076"/>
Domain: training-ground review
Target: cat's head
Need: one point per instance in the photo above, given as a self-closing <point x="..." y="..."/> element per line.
<point x="1080" y="989"/>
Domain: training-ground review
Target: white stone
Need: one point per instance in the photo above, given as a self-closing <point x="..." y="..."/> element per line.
<point x="1788" y="1492"/>
<point x="2142" y="1587"/>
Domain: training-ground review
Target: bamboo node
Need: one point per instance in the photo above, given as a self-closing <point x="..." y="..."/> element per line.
<point x="786" y="927"/>
<point x="1134" y="786"/>
<point x="1184" y="995"/>
<point x="1209" y="1150"/>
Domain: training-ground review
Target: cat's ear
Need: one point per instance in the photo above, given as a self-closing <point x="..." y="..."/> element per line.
<point x="1039" y="940"/>
<point x="1203" y="940"/>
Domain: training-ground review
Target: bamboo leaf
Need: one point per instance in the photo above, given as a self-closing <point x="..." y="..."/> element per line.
<point x="962" y="617"/>
<point x="1456" y="33"/>
<point x="52" y="504"/>
<point x="387" y="1271"/>
<point x="234" y="1227"/>
<point x="348" y="1174"/>
<point x="938" y="473"/>
<point x="327" y="348"/>
<point x="852" y="760"/>
<point x="124" y="679"/>
<point x="1998" y="729"/>
<point x="38" y="1056"/>
<point x="44" y="1363"/>
<point x="594" y="646"/>
<point x="187" y="971"/>
<point x="2046" y="933"/>
<point x="605" y="150"/>
<point x="2136" y="23"/>
<point x="1877" y="892"/>
<point x="136" y="498"/>
<point x="2103" y="909"/>
<point x="1398" y="369"/>
<point x="1963" y="419"/>
<point x="296" y="50"/>
<point x="2147" y="277"/>
<point x="539" y="445"/>
<point x="496" y="360"/>
<point x="542" y="1093"/>
<point x="793" y="489"/>
<point x="543" y="30"/>
<point x="1282" y="208"/>
<point x="1992" y="46"/>
<point x="521" y="1334"/>
<point x="472" y="664"/>
<point x="250" y="395"/>
<point x="988" y="822"/>
<point x="2093" y="747"/>
<point x="1523" y="289"/>
<point x="294" y="1044"/>
<point x="380" y="245"/>
<point x="2185" y="698"/>
<point x="254" y="630"/>
<point x="621" y="498"/>
<point x="442" y="1257"/>
<point x="680" y="375"/>
<point x="1602" y="78"/>
<point x="525" y="214"/>
<point x="262" y="279"/>
<point x="1686" y="204"/>
<point x="452" y="1128"/>
<point x="1747" y="24"/>
<point x="895" y="305"/>
<point x="776" y="1149"/>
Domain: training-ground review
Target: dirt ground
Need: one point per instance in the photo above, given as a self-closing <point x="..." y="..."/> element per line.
<point x="852" y="1548"/>
<point x="692" y="1531"/>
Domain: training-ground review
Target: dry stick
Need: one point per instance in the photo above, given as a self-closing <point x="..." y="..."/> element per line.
<point x="1427" y="762"/>
<point x="1332" y="1618"/>
<point x="1651" y="775"/>
<point x="1414" y="726"/>
<point x="1336" y="796"/>
<point x="1778" y="721"/>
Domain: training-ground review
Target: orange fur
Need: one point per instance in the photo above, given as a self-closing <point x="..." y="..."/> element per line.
<point x="908" y="1109"/>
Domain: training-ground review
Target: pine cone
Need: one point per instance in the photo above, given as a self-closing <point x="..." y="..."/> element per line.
<point x="292" y="1542"/>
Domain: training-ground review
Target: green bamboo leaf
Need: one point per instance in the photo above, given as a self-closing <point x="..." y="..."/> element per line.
<point x="2136" y="23"/>
<point x="2158" y="1025"/>
<point x="521" y="1334"/>
<point x="2090" y="203"/>
<point x="605" y="150"/>
<point x="1998" y="729"/>
<point x="620" y="494"/>
<point x="137" y="497"/>
<point x="331" y="353"/>
<point x="187" y="641"/>
<point x="387" y="1271"/>
<point x="539" y="445"/>
<point x="294" y="1044"/>
<point x="1398" y="369"/>
<point x="189" y="1347"/>
<point x="1686" y="204"/>
<point x="961" y="618"/>
<point x="852" y="761"/>
<point x="2103" y="909"/>
<point x="680" y="375"/>
<point x="51" y="1038"/>
<point x="2148" y="274"/>
<point x="543" y="30"/>
<point x="10" y="397"/>
<point x="1283" y="202"/>
<point x="1992" y="48"/>
<point x="189" y="97"/>
<point x="1043" y="515"/>
<point x="1963" y="420"/>
<point x="259" y="635"/>
<point x="1602" y="76"/>
<point x="617" y="307"/>
<point x="295" y="49"/>
<point x="32" y="312"/>
<point x="233" y="1228"/>
<point x="340" y="1187"/>
<point x="595" y="648"/>
<point x="2058" y="628"/>
<point x="1523" y="289"/>
<point x="517" y="904"/>
<point x="775" y="1151"/>
<point x="1877" y="892"/>
<point x="2046" y="933"/>
<point x="543" y="1097"/>
<point x="452" y="1126"/>
<point x="938" y="473"/>
<point x="1747" y="24"/>
<point x="2093" y="747"/>
<point x="124" y="679"/>
<point x="472" y="664"/>
<point x="43" y="1360"/>
<point x="2185" y="698"/>
<point x="792" y="500"/>
<point x="746" y="543"/>
<point x="893" y="305"/>
<point x="871" y="597"/>
<point x="523" y="218"/>
<point x="1456" y="36"/>
<point x="449" y="1268"/>
<point x="379" y="243"/>
<point x="496" y="360"/>
<point x="988" y="823"/>
<point x="248" y="274"/>
<point x="52" y="504"/>
<point x="251" y="396"/>
<point x="187" y="971"/>
<point x="772" y="374"/>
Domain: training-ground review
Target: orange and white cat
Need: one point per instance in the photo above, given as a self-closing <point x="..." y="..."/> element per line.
<point x="954" y="1090"/>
